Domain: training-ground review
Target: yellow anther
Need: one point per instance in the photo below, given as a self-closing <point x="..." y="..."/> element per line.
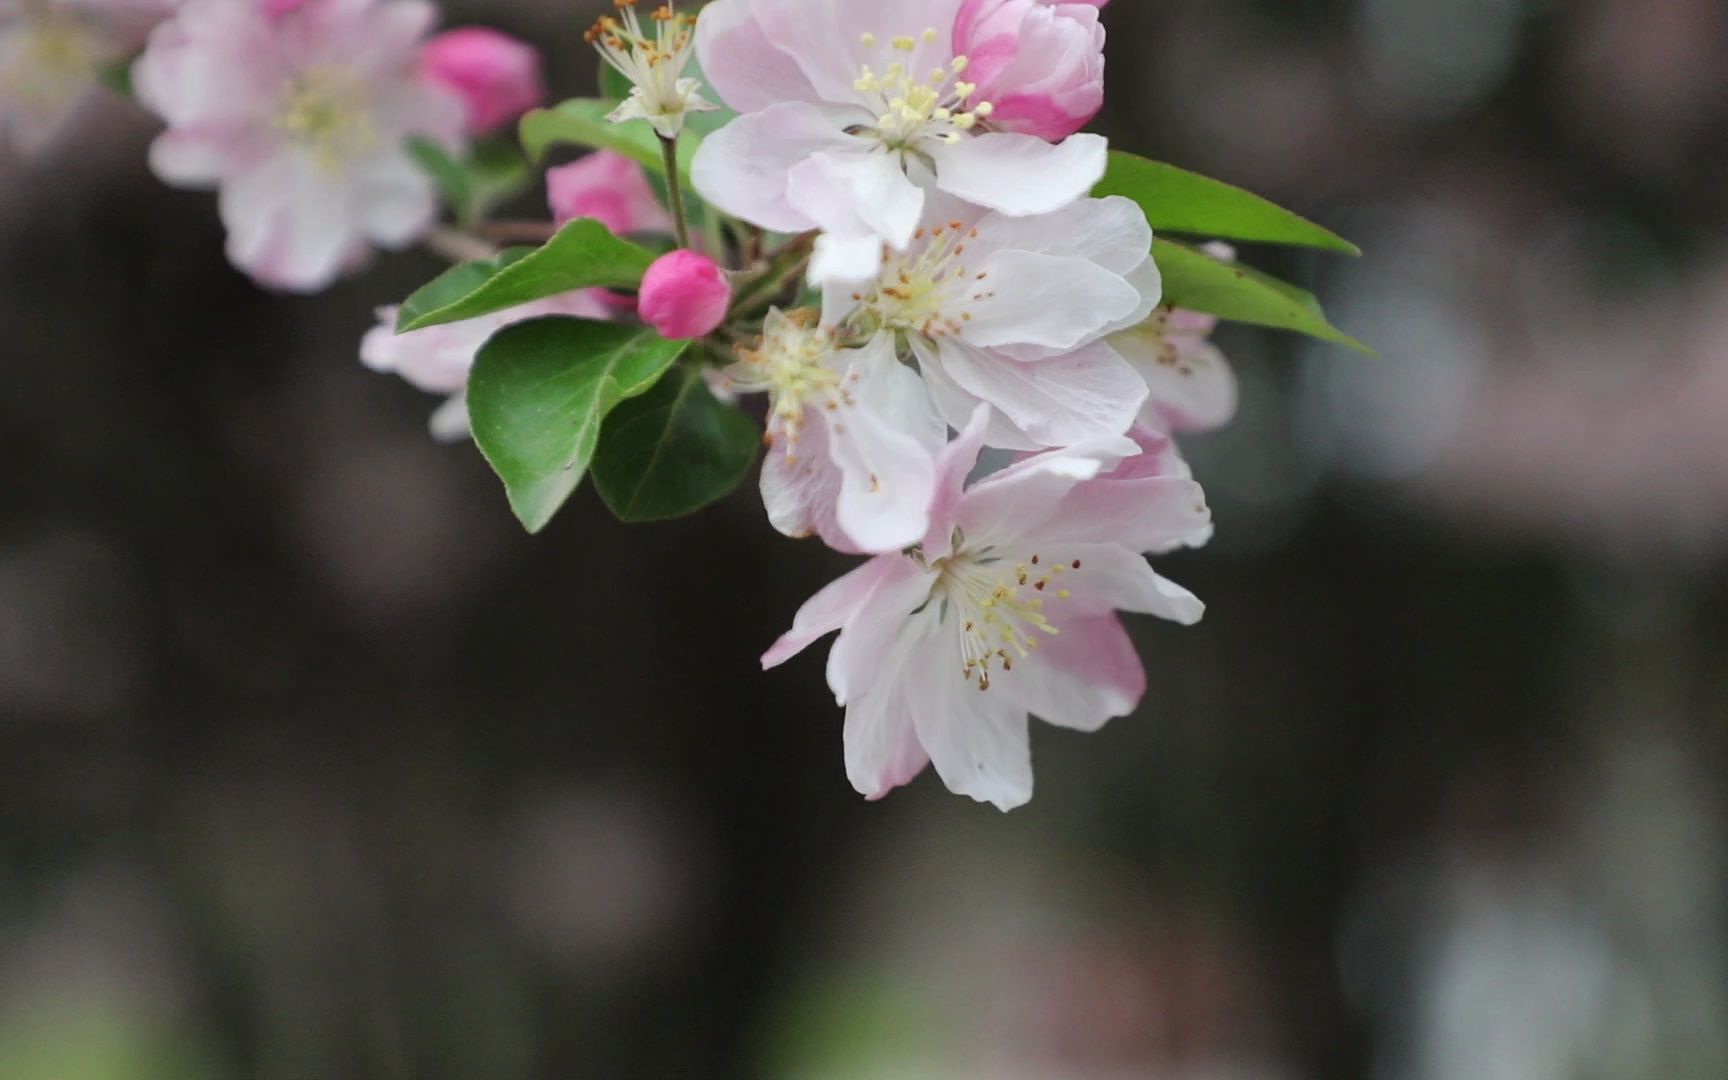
<point x="930" y="35"/>
<point x="983" y="108"/>
<point x="904" y="43"/>
<point x="960" y="64"/>
<point x="868" y="40"/>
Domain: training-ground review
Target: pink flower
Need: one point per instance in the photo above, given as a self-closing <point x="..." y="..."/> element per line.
<point x="301" y="121"/>
<point x="1007" y="607"/>
<point x="852" y="435"/>
<point x="437" y="359"/>
<point x="496" y="76"/>
<point x="684" y="295"/>
<point x="611" y="189"/>
<point x="51" y="52"/>
<point x="853" y="110"/>
<point x="1041" y="62"/>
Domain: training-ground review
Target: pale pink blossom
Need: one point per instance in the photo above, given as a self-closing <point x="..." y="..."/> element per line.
<point x="683" y="295"/>
<point x="1014" y="312"/>
<point x="1007" y="607"/>
<point x="51" y="55"/>
<point x="302" y="122"/>
<point x="851" y="111"/>
<point x="1041" y="62"/>
<point x="437" y="359"/>
<point x="852" y="436"/>
<point x="610" y="188"/>
<point x="496" y="76"/>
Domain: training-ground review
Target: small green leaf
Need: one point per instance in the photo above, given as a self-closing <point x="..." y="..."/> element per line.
<point x="1198" y="282"/>
<point x="116" y="75"/>
<point x="582" y="121"/>
<point x="1180" y="201"/>
<point x="539" y="392"/>
<point x="446" y="172"/>
<point x="672" y="451"/>
<point x="581" y="255"/>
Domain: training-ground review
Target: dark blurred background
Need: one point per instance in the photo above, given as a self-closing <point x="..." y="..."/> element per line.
<point x="312" y="765"/>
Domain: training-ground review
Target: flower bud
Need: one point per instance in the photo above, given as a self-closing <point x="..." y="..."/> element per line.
<point x="1039" y="63"/>
<point x="610" y="188"/>
<point x="496" y="76"/>
<point x="684" y="295"/>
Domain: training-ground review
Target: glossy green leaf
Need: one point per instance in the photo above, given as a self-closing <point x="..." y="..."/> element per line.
<point x="672" y="451"/>
<point x="539" y="392"/>
<point x="1198" y="282"/>
<point x="1176" y="200"/>
<point x="581" y="255"/>
<point x="582" y="122"/>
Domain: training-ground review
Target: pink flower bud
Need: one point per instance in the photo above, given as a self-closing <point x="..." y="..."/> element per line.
<point x="684" y="295"/>
<point x="496" y="76"/>
<point x="609" y="188"/>
<point x="1039" y="63"/>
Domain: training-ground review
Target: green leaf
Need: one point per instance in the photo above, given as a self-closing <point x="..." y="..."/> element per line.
<point x="1177" y="200"/>
<point x="493" y="173"/>
<point x="672" y="451"/>
<point x="1198" y="282"/>
<point x="582" y="121"/>
<point x="539" y="392"/>
<point x="581" y="255"/>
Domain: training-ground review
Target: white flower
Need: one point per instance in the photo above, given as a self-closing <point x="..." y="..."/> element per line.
<point x="1012" y="311"/>
<point x="851" y="109"/>
<point x="852" y="436"/>
<point x="1007" y="607"/>
<point x="659" y="92"/>
<point x="1190" y="384"/>
<point x="51" y="52"/>
<point x="301" y="119"/>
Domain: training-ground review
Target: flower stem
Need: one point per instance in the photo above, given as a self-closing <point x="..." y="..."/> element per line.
<point x="674" y="196"/>
<point x="458" y="246"/>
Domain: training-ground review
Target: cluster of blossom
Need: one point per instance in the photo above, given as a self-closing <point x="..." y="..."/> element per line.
<point x="960" y="291"/>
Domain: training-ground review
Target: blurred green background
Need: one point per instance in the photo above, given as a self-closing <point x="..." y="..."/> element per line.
<point x="313" y="766"/>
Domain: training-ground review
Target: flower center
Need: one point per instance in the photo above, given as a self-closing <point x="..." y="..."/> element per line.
<point x="911" y="106"/>
<point x="322" y="111"/>
<point x="998" y="605"/>
<point x="652" y="64"/>
<point x="792" y="363"/>
<point x="927" y="289"/>
<point x="56" y="59"/>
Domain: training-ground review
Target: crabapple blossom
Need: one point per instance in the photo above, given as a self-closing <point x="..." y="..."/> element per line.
<point x="684" y="295"/>
<point x="496" y="76"/>
<point x="610" y="188"/>
<point x="301" y="121"/>
<point x="50" y="55"/>
<point x="1041" y="62"/>
<point x="1006" y="607"/>
<point x="1191" y="386"/>
<point x="852" y="436"/>
<point x="437" y="359"/>
<point x="1013" y="312"/>
<point x="659" y="91"/>
<point x="851" y="111"/>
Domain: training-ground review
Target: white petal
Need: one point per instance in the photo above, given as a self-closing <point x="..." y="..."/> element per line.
<point x="801" y="485"/>
<point x="1019" y="174"/>
<point x="742" y="169"/>
<point x="861" y="655"/>
<point x="1055" y="302"/>
<point x="882" y="748"/>
<point x="1081" y="677"/>
<point x="744" y="67"/>
<point x="852" y="191"/>
<point x="829" y="610"/>
<point x="1112" y="578"/>
<point x="838" y="264"/>
<point x="1191" y="385"/>
<point x="976" y="739"/>
<point x="1090" y="393"/>
<point x="884" y="439"/>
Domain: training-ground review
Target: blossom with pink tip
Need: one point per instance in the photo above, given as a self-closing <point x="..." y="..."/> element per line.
<point x="496" y="76"/>
<point x="1006" y="608"/>
<point x="302" y="122"/>
<point x="851" y="113"/>
<point x="684" y="295"/>
<point x="610" y="188"/>
<point x="1040" y="62"/>
<point x="852" y="436"/>
<point x="437" y="359"/>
